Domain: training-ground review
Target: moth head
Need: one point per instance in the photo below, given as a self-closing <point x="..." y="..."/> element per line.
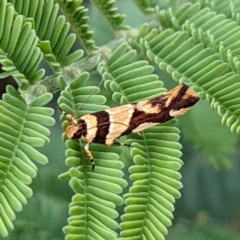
<point x="73" y="127"/>
<point x="73" y="130"/>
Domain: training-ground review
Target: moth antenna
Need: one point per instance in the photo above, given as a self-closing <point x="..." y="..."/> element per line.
<point x="89" y="97"/>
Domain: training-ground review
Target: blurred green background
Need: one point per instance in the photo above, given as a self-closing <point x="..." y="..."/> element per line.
<point x="210" y="205"/>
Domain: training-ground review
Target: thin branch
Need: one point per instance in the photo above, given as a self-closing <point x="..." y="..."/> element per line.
<point x="71" y="72"/>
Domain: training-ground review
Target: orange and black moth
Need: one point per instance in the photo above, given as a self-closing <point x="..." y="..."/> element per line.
<point x="106" y="126"/>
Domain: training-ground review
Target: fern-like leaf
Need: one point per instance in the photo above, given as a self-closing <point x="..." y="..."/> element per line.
<point x="121" y="77"/>
<point x="205" y="56"/>
<point x="144" y="6"/>
<point x="110" y="12"/>
<point x="221" y="36"/>
<point x="229" y="8"/>
<point x="151" y="199"/>
<point x="77" y="16"/>
<point x="20" y="131"/>
<point x="19" y="59"/>
<point x="96" y="193"/>
<point x="52" y="31"/>
<point x="206" y="60"/>
<point x="156" y="153"/>
<point x="211" y="29"/>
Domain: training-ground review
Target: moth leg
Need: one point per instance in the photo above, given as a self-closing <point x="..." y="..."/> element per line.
<point x="138" y="133"/>
<point x="89" y="154"/>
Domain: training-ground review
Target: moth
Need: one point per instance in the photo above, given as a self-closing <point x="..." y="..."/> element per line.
<point x="105" y="127"/>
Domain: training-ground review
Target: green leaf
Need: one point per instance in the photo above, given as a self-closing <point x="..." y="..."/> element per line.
<point x="18" y="136"/>
<point x="95" y="189"/>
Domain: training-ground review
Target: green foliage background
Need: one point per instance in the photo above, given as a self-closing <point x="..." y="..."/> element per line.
<point x="209" y="207"/>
